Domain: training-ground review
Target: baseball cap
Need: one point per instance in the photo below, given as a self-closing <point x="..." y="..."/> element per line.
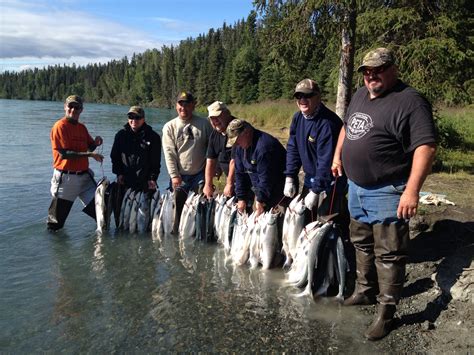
<point x="307" y="86"/>
<point x="216" y="108"/>
<point x="74" y="99"/>
<point x="234" y="129"/>
<point x="137" y="110"/>
<point x="185" y="96"/>
<point x="376" y="58"/>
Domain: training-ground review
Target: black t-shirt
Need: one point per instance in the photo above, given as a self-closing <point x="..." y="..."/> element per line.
<point x="381" y="134"/>
<point x="217" y="150"/>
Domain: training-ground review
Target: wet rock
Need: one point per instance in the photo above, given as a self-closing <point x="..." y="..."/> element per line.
<point x="455" y="275"/>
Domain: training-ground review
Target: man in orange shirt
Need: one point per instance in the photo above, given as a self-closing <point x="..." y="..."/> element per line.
<point x="72" y="145"/>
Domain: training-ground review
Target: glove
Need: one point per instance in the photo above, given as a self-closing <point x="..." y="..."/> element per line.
<point x="311" y="200"/>
<point x="290" y="187"/>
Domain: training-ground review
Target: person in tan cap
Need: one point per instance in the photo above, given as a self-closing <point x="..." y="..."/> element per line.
<point x="386" y="147"/>
<point x="218" y="153"/>
<point x="259" y="165"/>
<point x="136" y="153"/>
<point x="72" y="147"/>
<point x="185" y="141"/>
<point x="314" y="131"/>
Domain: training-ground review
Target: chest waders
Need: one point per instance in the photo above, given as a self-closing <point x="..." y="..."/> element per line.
<point x="59" y="208"/>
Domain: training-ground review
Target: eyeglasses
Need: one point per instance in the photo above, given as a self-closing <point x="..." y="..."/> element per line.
<point x="375" y="71"/>
<point x="134" y="117"/>
<point x="74" y="107"/>
<point x="300" y="95"/>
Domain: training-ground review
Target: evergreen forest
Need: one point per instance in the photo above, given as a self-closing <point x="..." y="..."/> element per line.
<point x="262" y="57"/>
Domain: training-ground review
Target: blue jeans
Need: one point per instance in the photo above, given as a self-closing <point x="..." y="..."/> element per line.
<point x="375" y="204"/>
<point x="190" y="182"/>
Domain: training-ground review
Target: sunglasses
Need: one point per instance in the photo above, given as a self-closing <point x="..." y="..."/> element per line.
<point x="375" y="71"/>
<point x="299" y="96"/>
<point x="74" y="106"/>
<point x="134" y="117"/>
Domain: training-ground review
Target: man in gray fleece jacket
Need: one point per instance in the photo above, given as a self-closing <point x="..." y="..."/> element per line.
<point x="185" y="140"/>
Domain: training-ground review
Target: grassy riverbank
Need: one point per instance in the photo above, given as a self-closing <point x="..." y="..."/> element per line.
<point x="456" y="130"/>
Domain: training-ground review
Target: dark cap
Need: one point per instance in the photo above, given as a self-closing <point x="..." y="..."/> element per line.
<point x="307" y="86"/>
<point x="376" y="58"/>
<point x="74" y="99"/>
<point x="137" y="110"/>
<point x="185" y="96"/>
<point x="234" y="129"/>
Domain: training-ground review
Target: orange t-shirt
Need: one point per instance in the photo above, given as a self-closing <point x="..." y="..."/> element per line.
<point x="69" y="136"/>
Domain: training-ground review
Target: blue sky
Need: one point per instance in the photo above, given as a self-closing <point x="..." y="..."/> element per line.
<point x="37" y="33"/>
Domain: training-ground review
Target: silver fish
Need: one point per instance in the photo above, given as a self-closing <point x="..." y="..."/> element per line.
<point x="143" y="214"/>
<point x="342" y="268"/>
<point x="269" y="240"/>
<point x="155" y="217"/>
<point x="100" y="205"/>
<point x="134" y="212"/>
<point x="296" y="226"/>
<point x="154" y="202"/>
<point x="314" y="246"/>
<point x="122" y="208"/>
<point x="287" y="220"/>
<point x="188" y="225"/>
<point x="128" y="209"/>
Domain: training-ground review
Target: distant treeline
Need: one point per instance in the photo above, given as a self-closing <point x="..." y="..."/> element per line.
<point x="264" y="56"/>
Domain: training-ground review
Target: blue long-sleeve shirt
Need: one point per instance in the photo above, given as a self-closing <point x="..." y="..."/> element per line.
<point x="259" y="168"/>
<point x="311" y="144"/>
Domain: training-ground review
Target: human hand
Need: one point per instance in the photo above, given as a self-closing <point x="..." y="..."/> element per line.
<point x="152" y="185"/>
<point x="259" y="208"/>
<point x="290" y="187"/>
<point x="208" y="191"/>
<point x="311" y="200"/>
<point x="336" y="167"/>
<point x="97" y="157"/>
<point x="228" y="190"/>
<point x="176" y="182"/>
<point x="98" y="141"/>
<point x="408" y="204"/>
<point x="241" y="206"/>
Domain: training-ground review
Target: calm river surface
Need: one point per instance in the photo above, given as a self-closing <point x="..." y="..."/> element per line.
<point x="76" y="292"/>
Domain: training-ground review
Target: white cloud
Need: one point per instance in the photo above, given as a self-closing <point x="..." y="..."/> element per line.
<point x="63" y="36"/>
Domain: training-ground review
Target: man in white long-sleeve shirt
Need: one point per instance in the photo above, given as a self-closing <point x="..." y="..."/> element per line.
<point x="185" y="140"/>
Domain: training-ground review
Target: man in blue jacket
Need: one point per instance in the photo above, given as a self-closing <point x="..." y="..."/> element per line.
<point x="313" y="136"/>
<point x="259" y="165"/>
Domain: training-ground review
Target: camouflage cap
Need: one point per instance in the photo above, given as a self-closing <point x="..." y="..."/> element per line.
<point x="137" y="110"/>
<point x="74" y="99"/>
<point x="376" y="58"/>
<point x="307" y="86"/>
<point x="234" y="129"/>
<point x="185" y="96"/>
<point x="216" y="108"/>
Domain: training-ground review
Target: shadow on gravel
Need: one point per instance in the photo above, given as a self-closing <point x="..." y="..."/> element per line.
<point x="445" y="239"/>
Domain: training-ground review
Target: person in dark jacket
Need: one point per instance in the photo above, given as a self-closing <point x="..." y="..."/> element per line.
<point x="259" y="165"/>
<point x="136" y="153"/>
<point x="313" y="136"/>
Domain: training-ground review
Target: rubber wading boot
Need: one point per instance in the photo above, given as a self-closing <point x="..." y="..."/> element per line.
<point x="391" y="251"/>
<point x="90" y="209"/>
<point x="366" y="282"/>
<point x="383" y="323"/>
<point x="180" y="196"/>
<point x="57" y="213"/>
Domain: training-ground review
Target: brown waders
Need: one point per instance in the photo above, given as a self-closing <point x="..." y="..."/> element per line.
<point x="381" y="254"/>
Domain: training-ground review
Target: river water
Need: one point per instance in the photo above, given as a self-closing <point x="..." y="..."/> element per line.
<point x="76" y="292"/>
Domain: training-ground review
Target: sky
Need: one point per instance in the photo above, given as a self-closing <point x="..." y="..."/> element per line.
<point x="38" y="33"/>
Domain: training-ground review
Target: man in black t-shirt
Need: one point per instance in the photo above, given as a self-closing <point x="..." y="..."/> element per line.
<point x="387" y="146"/>
<point x="218" y="152"/>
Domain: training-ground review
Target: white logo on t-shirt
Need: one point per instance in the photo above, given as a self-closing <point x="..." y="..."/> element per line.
<point x="358" y="125"/>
